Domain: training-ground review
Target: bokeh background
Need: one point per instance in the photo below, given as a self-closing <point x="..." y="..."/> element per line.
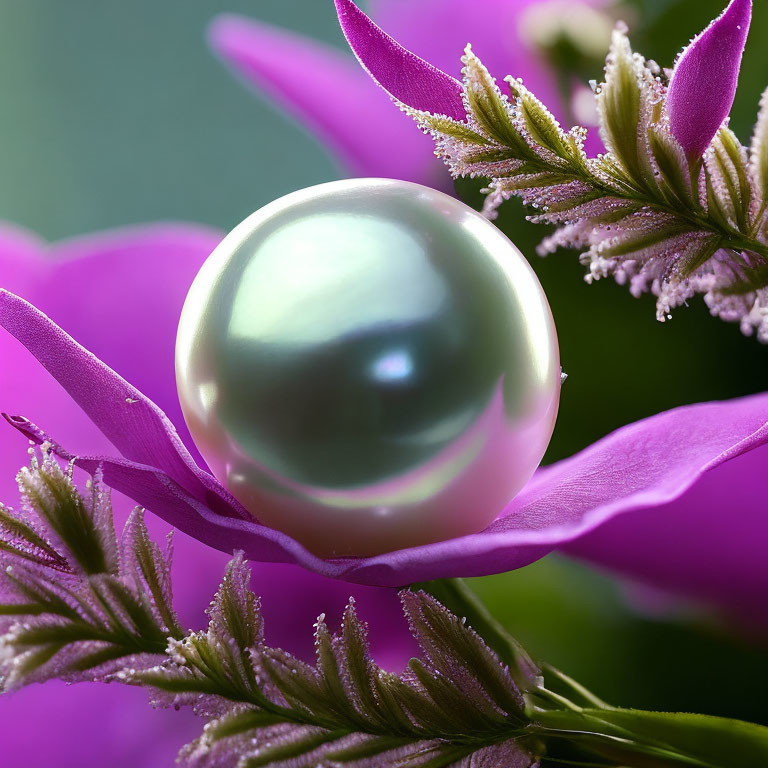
<point x="114" y="113"/>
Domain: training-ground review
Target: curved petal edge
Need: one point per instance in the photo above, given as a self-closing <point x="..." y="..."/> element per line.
<point x="407" y="77"/>
<point x="705" y="76"/>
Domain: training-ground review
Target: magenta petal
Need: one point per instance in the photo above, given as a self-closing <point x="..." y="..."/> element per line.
<point x="410" y="79"/>
<point x="328" y="92"/>
<point x="155" y="490"/>
<point x="440" y="30"/>
<point x="704" y="81"/>
<point x="709" y="543"/>
<point x="91" y="726"/>
<point x="22" y="384"/>
<point x="130" y="420"/>
<point x="636" y="469"/>
<point x="120" y="293"/>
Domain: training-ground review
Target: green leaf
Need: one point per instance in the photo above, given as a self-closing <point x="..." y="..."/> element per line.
<point x="64" y="510"/>
<point x="452" y="128"/>
<point x="729" y="178"/>
<point x="665" y="739"/>
<point x="20" y="529"/>
<point x="489" y="109"/>
<point x="542" y="125"/>
<point x="758" y="151"/>
<point x="292" y="749"/>
<point x="377" y="745"/>
<point x="632" y="242"/>
<point x="618" y="104"/>
<point x="673" y="166"/>
<point x="715" y="740"/>
<point x="737" y="158"/>
<point x="235" y="723"/>
<point x="458" y="597"/>
<point x="697" y="258"/>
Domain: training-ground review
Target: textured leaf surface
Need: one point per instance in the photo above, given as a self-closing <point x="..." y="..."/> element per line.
<point x="76" y="604"/>
<point x="452" y="703"/>
<point x="668" y="738"/>
<point x="651" y="212"/>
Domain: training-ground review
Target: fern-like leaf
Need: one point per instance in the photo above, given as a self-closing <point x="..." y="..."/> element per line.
<point x="643" y="212"/>
<point x="77" y="605"/>
<point x="458" y="700"/>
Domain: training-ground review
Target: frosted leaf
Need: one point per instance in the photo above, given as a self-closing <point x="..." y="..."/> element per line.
<point x="343" y="709"/>
<point x="72" y="607"/>
<point x="644" y="212"/>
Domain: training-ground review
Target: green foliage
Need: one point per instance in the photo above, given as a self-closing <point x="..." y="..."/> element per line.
<point x="74" y="605"/>
<point x="456" y="701"/>
<point x="619" y="105"/>
<point x="471" y="699"/>
<point x="643" y="211"/>
<point x="661" y="739"/>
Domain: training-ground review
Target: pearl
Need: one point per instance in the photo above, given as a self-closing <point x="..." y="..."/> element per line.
<point x="369" y="365"/>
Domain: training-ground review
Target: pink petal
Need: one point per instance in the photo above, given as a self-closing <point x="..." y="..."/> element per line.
<point x="704" y="81"/>
<point x="409" y="78"/>
<point x="328" y="92"/>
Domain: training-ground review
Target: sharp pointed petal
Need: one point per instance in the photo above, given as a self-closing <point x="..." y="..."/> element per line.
<point x="410" y="79"/>
<point x="127" y="417"/>
<point x="327" y="92"/>
<point x="704" y="81"/>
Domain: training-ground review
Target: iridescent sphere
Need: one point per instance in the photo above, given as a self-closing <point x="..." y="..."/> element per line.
<point x="369" y="365"/>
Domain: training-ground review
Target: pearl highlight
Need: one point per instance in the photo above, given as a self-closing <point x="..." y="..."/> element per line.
<point x="369" y="365"/>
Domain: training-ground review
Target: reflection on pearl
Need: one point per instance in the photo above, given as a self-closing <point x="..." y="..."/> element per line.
<point x="369" y="365"/>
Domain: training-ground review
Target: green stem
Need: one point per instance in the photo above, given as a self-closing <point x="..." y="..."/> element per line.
<point x="576" y="687"/>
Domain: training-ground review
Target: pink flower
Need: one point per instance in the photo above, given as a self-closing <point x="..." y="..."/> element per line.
<point x="97" y="286"/>
<point x="326" y="90"/>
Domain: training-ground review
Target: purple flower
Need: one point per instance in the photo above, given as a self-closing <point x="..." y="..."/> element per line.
<point x="98" y="287"/>
<point x="327" y="91"/>
<point x="605" y="503"/>
<point x="704" y="79"/>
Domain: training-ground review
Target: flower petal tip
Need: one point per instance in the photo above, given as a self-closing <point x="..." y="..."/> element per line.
<point x="220" y="29"/>
<point x="235" y="39"/>
<point x="704" y="80"/>
<point x="404" y="75"/>
<point x="303" y="76"/>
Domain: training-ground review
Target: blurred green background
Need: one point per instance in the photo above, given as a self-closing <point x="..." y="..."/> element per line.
<point x="115" y="113"/>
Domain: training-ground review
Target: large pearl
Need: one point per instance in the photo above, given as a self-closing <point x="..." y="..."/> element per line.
<point x="369" y="365"/>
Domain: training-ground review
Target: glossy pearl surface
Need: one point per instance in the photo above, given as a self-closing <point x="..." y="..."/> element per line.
<point x="369" y="365"/>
